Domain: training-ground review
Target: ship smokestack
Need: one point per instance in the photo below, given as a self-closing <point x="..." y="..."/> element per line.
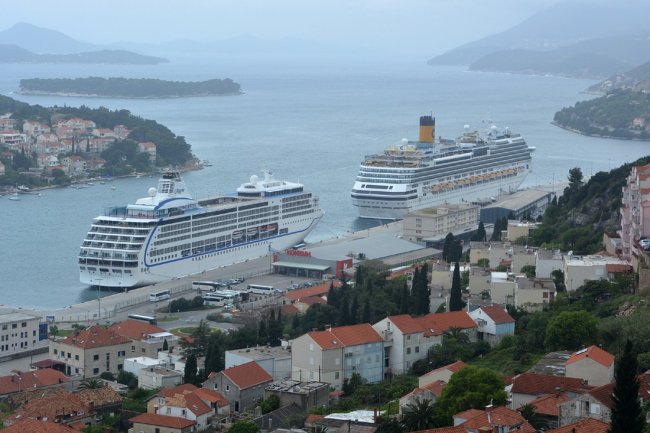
<point x="427" y="129"/>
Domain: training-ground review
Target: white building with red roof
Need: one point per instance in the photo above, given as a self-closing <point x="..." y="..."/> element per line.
<point x="335" y="354"/>
<point x="146" y="339"/>
<point x="149" y="148"/>
<point x="493" y="323"/>
<point x="181" y="402"/>
<point x="154" y="423"/>
<point x="443" y="373"/>
<point x="242" y="385"/>
<point x="27" y="380"/>
<point x="593" y="364"/>
<point x="408" y="338"/>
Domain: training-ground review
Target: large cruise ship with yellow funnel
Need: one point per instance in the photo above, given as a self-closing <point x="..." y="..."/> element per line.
<point x="429" y="172"/>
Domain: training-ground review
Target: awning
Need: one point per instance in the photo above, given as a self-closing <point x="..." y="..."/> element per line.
<point x="307" y="266"/>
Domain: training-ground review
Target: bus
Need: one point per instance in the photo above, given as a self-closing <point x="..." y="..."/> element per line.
<point x="228" y="295"/>
<point x="207" y="286"/>
<point x="160" y="296"/>
<point x="149" y="319"/>
<point x="213" y="299"/>
<point x="259" y="289"/>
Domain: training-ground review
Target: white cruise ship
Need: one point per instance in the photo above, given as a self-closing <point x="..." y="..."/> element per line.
<point x="428" y="172"/>
<point x="169" y="234"/>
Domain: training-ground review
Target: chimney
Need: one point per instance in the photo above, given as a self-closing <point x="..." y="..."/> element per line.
<point x="488" y="412"/>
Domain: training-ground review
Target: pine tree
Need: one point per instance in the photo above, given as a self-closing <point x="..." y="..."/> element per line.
<point x="190" y="369"/>
<point x="456" y="297"/>
<point x="627" y="416"/>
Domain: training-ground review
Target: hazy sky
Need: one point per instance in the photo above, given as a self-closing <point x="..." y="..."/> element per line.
<point x="427" y="27"/>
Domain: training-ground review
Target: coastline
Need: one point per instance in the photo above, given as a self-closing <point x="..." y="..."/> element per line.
<point x="577" y="131"/>
<point x="84" y="95"/>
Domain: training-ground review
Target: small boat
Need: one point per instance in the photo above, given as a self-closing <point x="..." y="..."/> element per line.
<point x="237" y="235"/>
<point x="207" y="163"/>
<point x="14" y="197"/>
<point x="22" y="188"/>
<point x="113" y="187"/>
<point x="251" y="231"/>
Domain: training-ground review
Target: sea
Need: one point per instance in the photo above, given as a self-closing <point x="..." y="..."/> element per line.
<point x="311" y="121"/>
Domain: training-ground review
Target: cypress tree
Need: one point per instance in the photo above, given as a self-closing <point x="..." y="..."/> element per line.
<point x="189" y="375"/>
<point x="456" y="297"/>
<point x="333" y="296"/>
<point x="404" y="299"/>
<point x="424" y="293"/>
<point x="354" y="311"/>
<point x="344" y="318"/>
<point x="627" y="416"/>
<point x="366" y="312"/>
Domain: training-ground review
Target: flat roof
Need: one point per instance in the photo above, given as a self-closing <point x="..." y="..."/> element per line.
<point x="262" y="352"/>
<point x="375" y="243"/>
<point x="308" y="266"/>
<point x="17" y="317"/>
<point x="519" y="199"/>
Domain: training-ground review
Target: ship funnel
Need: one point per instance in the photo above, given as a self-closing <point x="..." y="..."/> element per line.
<point x="427" y="129"/>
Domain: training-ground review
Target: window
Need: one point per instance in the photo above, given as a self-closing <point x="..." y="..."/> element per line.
<point x="96" y="357"/>
<point x="311" y="347"/>
<point x="55" y="351"/>
<point x="95" y="371"/>
<point x="227" y="387"/>
<point x="408" y="350"/>
<point x="121" y="353"/>
<point x="595" y="409"/>
<point x="417" y="349"/>
<point x="23" y="325"/>
<point x="14" y="325"/>
<point x="337" y="375"/>
<point x="76" y="357"/>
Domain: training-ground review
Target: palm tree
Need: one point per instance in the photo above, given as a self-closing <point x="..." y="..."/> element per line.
<point x="419" y="415"/>
<point x="91" y="383"/>
<point x="456" y="334"/>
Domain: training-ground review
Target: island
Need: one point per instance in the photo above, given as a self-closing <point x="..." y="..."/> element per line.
<point x="42" y="146"/>
<point x="10" y="53"/>
<point x="118" y="87"/>
<point x="622" y="114"/>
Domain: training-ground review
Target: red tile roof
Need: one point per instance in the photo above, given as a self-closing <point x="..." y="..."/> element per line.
<point x="65" y="406"/>
<point x="498" y="314"/>
<point x="134" y="329"/>
<point x="25" y="380"/>
<point x="162" y="420"/>
<point x="594" y="352"/>
<point x="549" y="404"/>
<point x="618" y="267"/>
<point x="321" y="289"/>
<point x="585" y="425"/>
<point x="191" y="401"/>
<point x="311" y="300"/>
<point x="604" y="394"/>
<point x="247" y="375"/>
<point x="180" y="389"/>
<point x="453" y="429"/>
<point x="433" y="324"/>
<point x="499" y="416"/>
<point x="343" y="336"/>
<point x="454" y="367"/>
<point x="312" y="418"/>
<point x="33" y="426"/>
<point x="468" y="414"/>
<point x="434" y="387"/>
<point x="95" y="336"/>
<point x="538" y="384"/>
<point x="212" y="396"/>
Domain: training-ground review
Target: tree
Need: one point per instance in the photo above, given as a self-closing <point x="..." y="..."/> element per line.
<point x="127" y="378"/>
<point x="244" y="427"/>
<point x="571" y="330"/>
<point x="484" y="263"/>
<point x="471" y="388"/>
<point x="91" y="383"/>
<point x="528" y="270"/>
<point x="480" y="235"/>
<point x="456" y="297"/>
<point x="190" y="372"/>
<point x="419" y="415"/>
<point x="165" y="346"/>
<point x="447" y="247"/>
<point x="269" y="404"/>
<point x="627" y="416"/>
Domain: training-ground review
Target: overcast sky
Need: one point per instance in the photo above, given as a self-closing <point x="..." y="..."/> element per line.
<point x="427" y="27"/>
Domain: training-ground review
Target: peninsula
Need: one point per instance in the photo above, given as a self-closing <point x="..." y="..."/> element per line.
<point x="118" y="87"/>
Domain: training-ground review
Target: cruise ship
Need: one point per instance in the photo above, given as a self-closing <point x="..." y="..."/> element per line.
<point x="429" y="172"/>
<point x="169" y="234"/>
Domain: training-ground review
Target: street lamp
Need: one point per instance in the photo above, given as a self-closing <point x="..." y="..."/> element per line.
<point x="99" y="299"/>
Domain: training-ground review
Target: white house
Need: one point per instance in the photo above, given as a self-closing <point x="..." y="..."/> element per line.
<point x="493" y="323"/>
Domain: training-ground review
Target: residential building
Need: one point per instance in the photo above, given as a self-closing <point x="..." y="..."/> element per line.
<point x="334" y="354"/>
<point x="33" y="128"/>
<point x="502" y="288"/>
<point x="635" y="212"/>
<point x="19" y="381"/>
<point x="407" y="339"/>
<point x="435" y="223"/>
<point x="527" y="387"/>
<point x="593" y="364"/>
<point x="21" y="332"/>
<point x="580" y="269"/>
<point x="146" y="339"/>
<point x="2" y="168"/>
<point x="181" y="402"/>
<point x="64" y="408"/>
<point x="149" y="148"/>
<point x="91" y="352"/>
<point x="134" y="365"/>
<point x="101" y="401"/>
<point x="430" y="392"/>
<point x="493" y="323"/>
<point x="443" y="374"/>
<point x="153" y="423"/>
<point x="547" y="409"/>
<point x="532" y="294"/>
<point x="158" y="377"/>
<point x="275" y="360"/>
<point x="521" y="257"/>
<point x="306" y="395"/>
<point x="519" y="229"/>
<point x="492" y="419"/>
<point x="243" y="385"/>
<point x="34" y="426"/>
<point x="586" y="425"/>
<point x="547" y="261"/>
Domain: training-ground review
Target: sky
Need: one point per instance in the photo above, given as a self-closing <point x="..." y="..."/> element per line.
<point x="411" y="27"/>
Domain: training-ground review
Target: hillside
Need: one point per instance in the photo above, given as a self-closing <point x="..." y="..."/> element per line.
<point x="16" y="54"/>
<point x="637" y="79"/>
<point x="560" y="40"/>
<point x="43" y="41"/>
<point x="585" y="211"/>
<point x="612" y="115"/>
<point x="128" y="87"/>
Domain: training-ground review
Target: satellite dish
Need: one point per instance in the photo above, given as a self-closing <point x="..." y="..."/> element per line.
<point x="152" y="192"/>
<point x="405" y="141"/>
<point x="254" y="179"/>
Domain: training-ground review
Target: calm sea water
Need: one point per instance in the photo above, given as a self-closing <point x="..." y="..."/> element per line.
<point x="311" y="123"/>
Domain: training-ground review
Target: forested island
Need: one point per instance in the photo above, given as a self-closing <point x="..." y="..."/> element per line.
<point x="56" y="145"/>
<point x="118" y="87"/>
<point x="622" y="114"/>
<point x="10" y="53"/>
